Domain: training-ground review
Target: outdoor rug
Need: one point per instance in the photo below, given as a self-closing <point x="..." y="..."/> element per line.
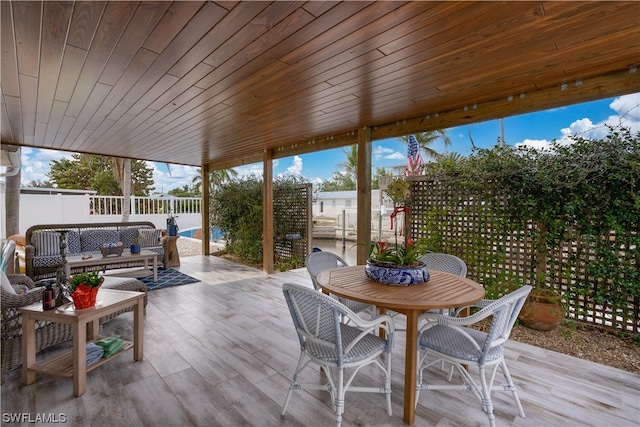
<point x="167" y="278"/>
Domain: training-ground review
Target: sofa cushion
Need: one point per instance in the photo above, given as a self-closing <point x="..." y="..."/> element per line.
<point x="149" y="237"/>
<point x="90" y="240"/>
<point x="158" y="250"/>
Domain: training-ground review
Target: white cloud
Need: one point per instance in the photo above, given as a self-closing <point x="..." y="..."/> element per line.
<point x="254" y="169"/>
<point x="296" y="166"/>
<point x="176" y="176"/>
<point x="315" y="181"/>
<point x="627" y="108"/>
<point x="36" y="163"/>
<point x="380" y="152"/>
<point x="535" y="143"/>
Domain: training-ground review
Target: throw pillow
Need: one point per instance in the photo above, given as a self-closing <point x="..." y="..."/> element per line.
<point x="127" y="235"/>
<point x="149" y="237"/>
<point x="46" y="243"/>
<point x="91" y="240"/>
<point x="6" y="284"/>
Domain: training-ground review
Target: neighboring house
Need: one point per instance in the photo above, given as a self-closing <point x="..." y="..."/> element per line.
<point x="335" y="208"/>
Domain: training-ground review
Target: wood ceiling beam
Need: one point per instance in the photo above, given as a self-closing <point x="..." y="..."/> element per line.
<point x="616" y="84"/>
<point x="592" y="89"/>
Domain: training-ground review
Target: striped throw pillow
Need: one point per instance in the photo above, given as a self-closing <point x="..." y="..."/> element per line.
<point x="149" y="237"/>
<point x="46" y="243"/>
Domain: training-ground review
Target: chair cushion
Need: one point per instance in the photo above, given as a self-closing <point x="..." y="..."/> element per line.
<point x="158" y="250"/>
<point x="446" y="340"/>
<point x="47" y="261"/>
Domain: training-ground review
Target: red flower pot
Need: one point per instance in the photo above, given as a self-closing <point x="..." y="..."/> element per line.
<point x="84" y="296"/>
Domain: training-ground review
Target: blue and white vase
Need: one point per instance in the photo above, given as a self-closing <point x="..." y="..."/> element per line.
<point x="397" y="276"/>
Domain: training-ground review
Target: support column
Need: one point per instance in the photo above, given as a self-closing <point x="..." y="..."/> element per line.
<point x="267" y="213"/>
<point x="206" y="225"/>
<point x="364" y="194"/>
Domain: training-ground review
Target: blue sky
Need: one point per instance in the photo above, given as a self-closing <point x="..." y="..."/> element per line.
<point x="536" y="129"/>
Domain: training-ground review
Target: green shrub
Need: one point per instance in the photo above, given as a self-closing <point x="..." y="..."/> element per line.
<point x="574" y="208"/>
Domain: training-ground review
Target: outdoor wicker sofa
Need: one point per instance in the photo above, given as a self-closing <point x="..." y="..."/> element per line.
<point x="42" y="250"/>
<point x="47" y="333"/>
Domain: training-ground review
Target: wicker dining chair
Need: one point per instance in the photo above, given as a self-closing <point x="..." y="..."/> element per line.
<point x="336" y="346"/>
<point x="445" y="262"/>
<point x="445" y="338"/>
<point x="317" y="262"/>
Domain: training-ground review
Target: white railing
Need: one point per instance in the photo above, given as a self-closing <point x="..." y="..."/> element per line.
<point x="112" y="205"/>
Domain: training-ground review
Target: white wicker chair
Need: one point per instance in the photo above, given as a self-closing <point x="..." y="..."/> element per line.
<point x="445" y="262"/>
<point x="317" y="262"/>
<point x="335" y="346"/>
<point x="446" y="339"/>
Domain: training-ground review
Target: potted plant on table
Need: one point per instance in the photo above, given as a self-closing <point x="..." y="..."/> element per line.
<point x="84" y="288"/>
<point x="396" y="264"/>
<point x="135" y="245"/>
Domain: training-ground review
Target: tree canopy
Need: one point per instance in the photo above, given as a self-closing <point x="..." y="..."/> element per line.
<point x="93" y="172"/>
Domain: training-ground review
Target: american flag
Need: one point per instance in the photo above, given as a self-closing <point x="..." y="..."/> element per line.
<point x="414" y="160"/>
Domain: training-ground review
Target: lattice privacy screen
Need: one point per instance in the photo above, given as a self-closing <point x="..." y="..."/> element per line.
<point x="457" y="224"/>
<point x="292" y="221"/>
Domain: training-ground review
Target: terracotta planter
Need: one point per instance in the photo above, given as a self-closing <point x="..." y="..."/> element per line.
<point x="542" y="312"/>
<point x="398" y="276"/>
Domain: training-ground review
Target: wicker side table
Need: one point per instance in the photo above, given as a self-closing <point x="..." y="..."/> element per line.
<point x="172" y="251"/>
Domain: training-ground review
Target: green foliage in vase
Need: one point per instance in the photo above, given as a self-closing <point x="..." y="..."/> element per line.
<point x="407" y="255"/>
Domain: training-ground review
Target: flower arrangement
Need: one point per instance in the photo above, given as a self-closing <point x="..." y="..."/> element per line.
<point x="397" y="255"/>
<point x="382" y="253"/>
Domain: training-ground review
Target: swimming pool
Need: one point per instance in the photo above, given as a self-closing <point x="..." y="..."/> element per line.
<point x="190" y="232"/>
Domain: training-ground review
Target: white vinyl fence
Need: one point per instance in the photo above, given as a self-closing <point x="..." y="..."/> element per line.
<point x="87" y="208"/>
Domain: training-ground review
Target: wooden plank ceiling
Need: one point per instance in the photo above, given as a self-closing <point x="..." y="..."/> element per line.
<point x="221" y="82"/>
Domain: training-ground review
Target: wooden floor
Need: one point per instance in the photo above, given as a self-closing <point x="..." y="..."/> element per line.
<point x="221" y="353"/>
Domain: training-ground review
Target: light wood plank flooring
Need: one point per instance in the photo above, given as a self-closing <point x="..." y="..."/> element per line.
<point x="221" y="353"/>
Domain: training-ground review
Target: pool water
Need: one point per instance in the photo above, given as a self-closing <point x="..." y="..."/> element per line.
<point x="215" y="233"/>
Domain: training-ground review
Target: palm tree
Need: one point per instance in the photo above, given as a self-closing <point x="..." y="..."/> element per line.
<point x="351" y="165"/>
<point x="216" y="178"/>
<point x="427" y="138"/>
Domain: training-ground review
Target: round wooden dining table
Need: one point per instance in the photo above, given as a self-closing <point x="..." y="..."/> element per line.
<point x="443" y="290"/>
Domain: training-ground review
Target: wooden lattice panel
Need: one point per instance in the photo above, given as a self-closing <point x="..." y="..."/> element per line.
<point x="291" y="219"/>
<point x="454" y="223"/>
